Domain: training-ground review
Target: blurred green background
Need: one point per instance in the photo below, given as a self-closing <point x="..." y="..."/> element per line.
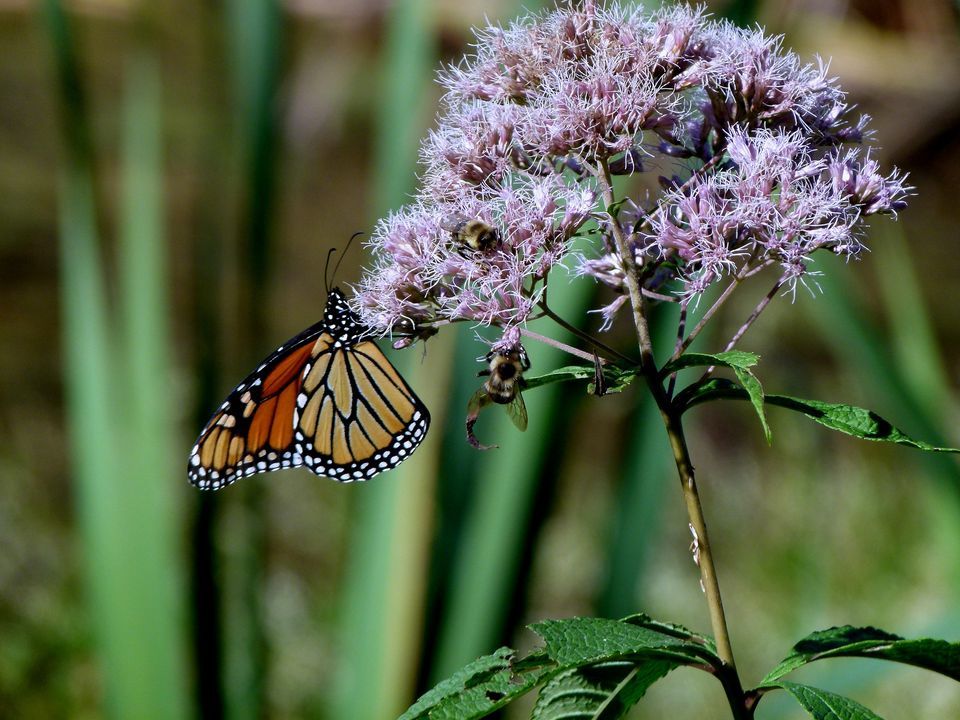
<point x="171" y="177"/>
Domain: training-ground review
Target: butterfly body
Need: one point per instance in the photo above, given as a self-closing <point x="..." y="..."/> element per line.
<point x="328" y="399"/>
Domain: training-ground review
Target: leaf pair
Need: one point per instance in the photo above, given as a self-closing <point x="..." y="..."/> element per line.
<point x="848" y="419"/>
<point x="598" y="669"/>
<point x="589" y="668"/>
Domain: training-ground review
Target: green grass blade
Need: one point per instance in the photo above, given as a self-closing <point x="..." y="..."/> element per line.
<point x="915" y="347"/>
<point x="484" y="574"/>
<point x="91" y="423"/>
<point x="151" y="479"/>
<point x="383" y="595"/>
<point x="918" y="355"/>
<point x="254" y="44"/>
<point x="116" y="526"/>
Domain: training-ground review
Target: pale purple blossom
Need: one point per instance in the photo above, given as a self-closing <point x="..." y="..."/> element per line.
<point x="757" y="151"/>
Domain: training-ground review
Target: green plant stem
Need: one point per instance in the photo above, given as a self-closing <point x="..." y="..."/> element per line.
<point x="703" y="556"/>
<point x="609" y="351"/>
<point x="569" y="349"/>
<point x="711" y="587"/>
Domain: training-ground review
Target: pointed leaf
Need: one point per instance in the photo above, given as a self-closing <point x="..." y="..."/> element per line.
<point x="848" y="419"/>
<point x="824" y="705"/>
<point x="852" y="420"/>
<point x="483" y="686"/>
<point x="679" y="631"/>
<point x="750" y="383"/>
<point x="737" y="360"/>
<point x="616" y="378"/>
<point x="731" y="359"/>
<point x="584" y="641"/>
<point x="605" y="691"/>
<point x="867" y="642"/>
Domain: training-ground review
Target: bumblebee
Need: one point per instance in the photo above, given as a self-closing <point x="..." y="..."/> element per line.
<point x="474" y="234"/>
<point x="505" y="374"/>
<point x="504" y="382"/>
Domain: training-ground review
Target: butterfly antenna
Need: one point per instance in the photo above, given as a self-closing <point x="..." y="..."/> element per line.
<point x="345" y="248"/>
<point x="326" y="269"/>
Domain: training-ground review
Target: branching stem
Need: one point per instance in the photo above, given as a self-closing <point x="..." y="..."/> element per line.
<point x="587" y="338"/>
<point x="559" y="345"/>
<point x="756" y="312"/>
<point x="745" y="272"/>
<point x="671" y="420"/>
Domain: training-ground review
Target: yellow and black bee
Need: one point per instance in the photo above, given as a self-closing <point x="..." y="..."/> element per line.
<point x="473" y="234"/>
<point x="503" y="386"/>
<point x="505" y="375"/>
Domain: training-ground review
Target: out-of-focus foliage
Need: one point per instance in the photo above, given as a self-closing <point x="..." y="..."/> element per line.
<point x="816" y="530"/>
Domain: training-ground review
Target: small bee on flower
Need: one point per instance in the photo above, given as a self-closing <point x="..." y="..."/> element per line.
<point x="473" y="234"/>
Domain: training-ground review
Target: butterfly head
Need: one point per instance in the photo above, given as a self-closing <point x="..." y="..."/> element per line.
<point x="340" y="320"/>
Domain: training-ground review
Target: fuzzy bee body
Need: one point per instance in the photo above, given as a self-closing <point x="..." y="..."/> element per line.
<point x="505" y="374"/>
<point x="473" y="234"/>
<point x="503" y="386"/>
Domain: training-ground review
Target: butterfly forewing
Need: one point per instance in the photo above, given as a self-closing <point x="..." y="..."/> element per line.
<point x="253" y="430"/>
<point x="328" y="399"/>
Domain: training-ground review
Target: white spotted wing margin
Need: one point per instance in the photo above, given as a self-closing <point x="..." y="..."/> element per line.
<point x="356" y="417"/>
<point x="328" y="400"/>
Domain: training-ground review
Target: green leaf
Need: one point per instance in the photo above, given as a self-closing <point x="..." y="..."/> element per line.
<point x="823" y="705"/>
<point x="672" y="629"/>
<point x="584" y="641"/>
<point x="617" y="378"/>
<point x="852" y="420"/>
<point x="604" y="691"/>
<point x="867" y="642"/>
<point x="737" y="360"/>
<point x="731" y="359"/>
<point x="849" y="419"/>
<point x="613" y="209"/>
<point x="485" y="685"/>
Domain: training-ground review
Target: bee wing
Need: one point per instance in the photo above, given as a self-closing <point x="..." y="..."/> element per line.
<point x="517" y="410"/>
<point x="477" y="403"/>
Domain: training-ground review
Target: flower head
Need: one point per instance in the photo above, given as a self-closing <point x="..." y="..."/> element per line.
<point x="759" y="149"/>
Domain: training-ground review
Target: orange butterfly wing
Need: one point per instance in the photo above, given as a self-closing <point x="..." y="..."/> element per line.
<point x="358" y="417"/>
<point x="253" y="430"/>
<point x="328" y="399"/>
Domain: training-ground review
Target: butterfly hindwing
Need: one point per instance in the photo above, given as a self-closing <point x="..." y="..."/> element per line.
<point x="328" y="399"/>
<point x="356" y="416"/>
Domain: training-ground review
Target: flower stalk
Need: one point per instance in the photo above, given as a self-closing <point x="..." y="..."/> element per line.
<point x="703" y="554"/>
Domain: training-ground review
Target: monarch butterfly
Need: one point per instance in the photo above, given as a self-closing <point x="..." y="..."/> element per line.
<point x="327" y="399"/>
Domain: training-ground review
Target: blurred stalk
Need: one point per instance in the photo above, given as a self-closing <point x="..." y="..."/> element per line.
<point x="646" y="477"/>
<point x="119" y="430"/>
<point x="915" y="348"/>
<point x="484" y="577"/>
<point x="254" y="41"/>
<point x="152" y="543"/>
<point x="382" y="606"/>
<point x="917" y="353"/>
<point x="207" y="246"/>
<point x="914" y="403"/>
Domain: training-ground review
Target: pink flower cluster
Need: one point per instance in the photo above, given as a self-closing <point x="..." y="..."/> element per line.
<point x="761" y="154"/>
